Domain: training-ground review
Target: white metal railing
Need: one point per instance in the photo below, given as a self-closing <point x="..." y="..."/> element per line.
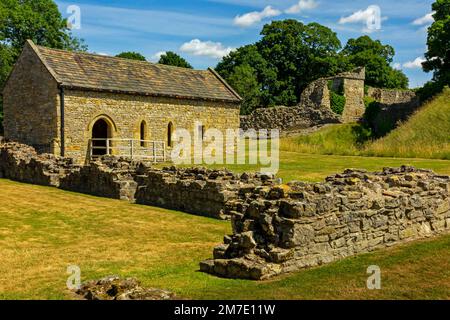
<point x="135" y="149"/>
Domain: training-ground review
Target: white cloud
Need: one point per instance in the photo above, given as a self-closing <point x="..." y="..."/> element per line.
<point x="397" y="66"/>
<point x="251" y="18"/>
<point x="425" y="20"/>
<point x="417" y="63"/>
<point x="370" y="16"/>
<point x="102" y="53"/>
<point x="206" y="48"/>
<point x="157" y="56"/>
<point x="358" y="16"/>
<point x="301" y="6"/>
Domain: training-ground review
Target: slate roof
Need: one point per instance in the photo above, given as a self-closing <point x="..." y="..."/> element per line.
<point x="103" y="73"/>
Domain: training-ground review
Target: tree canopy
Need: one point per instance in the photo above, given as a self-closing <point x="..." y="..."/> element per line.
<point x="38" y="20"/>
<point x="438" y="54"/>
<point x="377" y="58"/>
<point x="172" y="59"/>
<point x="131" y="55"/>
<point x="290" y="55"/>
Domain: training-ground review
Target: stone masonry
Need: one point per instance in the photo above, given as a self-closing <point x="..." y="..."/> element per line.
<point x="314" y="108"/>
<point x="198" y="191"/>
<point x="53" y="99"/>
<point x="285" y="228"/>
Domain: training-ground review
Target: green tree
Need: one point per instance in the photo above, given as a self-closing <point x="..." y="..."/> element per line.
<point x="300" y="54"/>
<point x="172" y="59"/>
<point x="131" y="55"/>
<point x="377" y="58"/>
<point x="438" y="54"/>
<point x="38" y="20"/>
<point x="245" y="82"/>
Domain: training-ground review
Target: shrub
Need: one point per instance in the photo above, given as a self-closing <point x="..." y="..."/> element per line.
<point x="337" y="102"/>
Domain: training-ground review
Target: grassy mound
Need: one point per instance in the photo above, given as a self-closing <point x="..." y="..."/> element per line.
<point x="340" y="139"/>
<point x="425" y="135"/>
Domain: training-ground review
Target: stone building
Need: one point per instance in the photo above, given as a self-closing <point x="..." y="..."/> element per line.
<point x="81" y="105"/>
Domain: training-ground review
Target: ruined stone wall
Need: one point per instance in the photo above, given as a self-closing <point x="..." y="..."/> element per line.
<point x="109" y="177"/>
<point x="124" y="114"/>
<point x="394" y="107"/>
<point x="288" y="118"/>
<point x="196" y="190"/>
<point x="285" y="228"/>
<point x="30" y="104"/>
<point x="314" y="107"/>
<point x="22" y="163"/>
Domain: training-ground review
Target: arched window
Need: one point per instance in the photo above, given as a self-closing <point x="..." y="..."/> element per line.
<point x="143" y="133"/>
<point x="169" y="134"/>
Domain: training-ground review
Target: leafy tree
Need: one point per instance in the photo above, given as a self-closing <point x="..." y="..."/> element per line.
<point x="377" y="58"/>
<point x="245" y="82"/>
<point x="299" y="53"/>
<point x="172" y="59"/>
<point x="288" y="57"/>
<point x="131" y="55"/>
<point x="438" y="54"/>
<point x="38" y="20"/>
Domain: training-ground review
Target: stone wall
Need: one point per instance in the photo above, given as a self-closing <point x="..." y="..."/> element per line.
<point x="195" y="190"/>
<point x="125" y="113"/>
<point x="106" y="177"/>
<point x="314" y="108"/>
<point x="394" y="107"/>
<point x="285" y="228"/>
<point x="198" y="191"/>
<point x="22" y="163"/>
<point x="30" y="104"/>
<point x="288" y="119"/>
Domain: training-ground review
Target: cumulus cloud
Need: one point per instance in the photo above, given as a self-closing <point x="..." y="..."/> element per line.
<point x="251" y="18"/>
<point x="211" y="49"/>
<point x="358" y="16"/>
<point x="417" y="63"/>
<point x="397" y="66"/>
<point x="301" y="6"/>
<point x="370" y="16"/>
<point x="425" y="20"/>
<point x="157" y="55"/>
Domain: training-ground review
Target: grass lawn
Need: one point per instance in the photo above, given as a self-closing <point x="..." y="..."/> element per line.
<point x="43" y="230"/>
<point x="315" y="167"/>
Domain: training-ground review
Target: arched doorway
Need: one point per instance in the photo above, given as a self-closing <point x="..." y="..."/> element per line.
<point x="100" y="132"/>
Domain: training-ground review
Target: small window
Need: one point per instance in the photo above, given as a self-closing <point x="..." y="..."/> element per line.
<point x="143" y="133"/>
<point x="169" y="134"/>
<point x="201" y="132"/>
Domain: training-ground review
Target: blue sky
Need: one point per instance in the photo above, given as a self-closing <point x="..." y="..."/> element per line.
<point x="204" y="30"/>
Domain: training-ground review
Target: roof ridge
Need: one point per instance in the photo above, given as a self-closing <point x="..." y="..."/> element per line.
<point x="121" y="59"/>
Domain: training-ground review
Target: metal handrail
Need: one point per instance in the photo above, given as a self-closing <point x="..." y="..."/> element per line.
<point x="132" y="150"/>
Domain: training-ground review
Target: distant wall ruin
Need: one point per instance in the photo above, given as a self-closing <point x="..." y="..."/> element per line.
<point x="314" y="107"/>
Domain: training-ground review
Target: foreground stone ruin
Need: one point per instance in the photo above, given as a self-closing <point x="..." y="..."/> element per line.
<point x="284" y="228"/>
<point x="276" y="228"/>
<point x="115" y="288"/>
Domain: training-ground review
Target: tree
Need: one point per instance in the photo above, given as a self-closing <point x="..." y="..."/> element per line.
<point x="131" y="55"/>
<point x="288" y="57"/>
<point x="377" y="58"/>
<point x="438" y="54"/>
<point x="172" y="59"/>
<point x="38" y="20"/>
<point x="245" y="82"/>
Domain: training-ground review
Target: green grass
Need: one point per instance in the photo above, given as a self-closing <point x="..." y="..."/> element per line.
<point x="315" y="167"/>
<point x="425" y="135"/>
<point x="43" y="230"/>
